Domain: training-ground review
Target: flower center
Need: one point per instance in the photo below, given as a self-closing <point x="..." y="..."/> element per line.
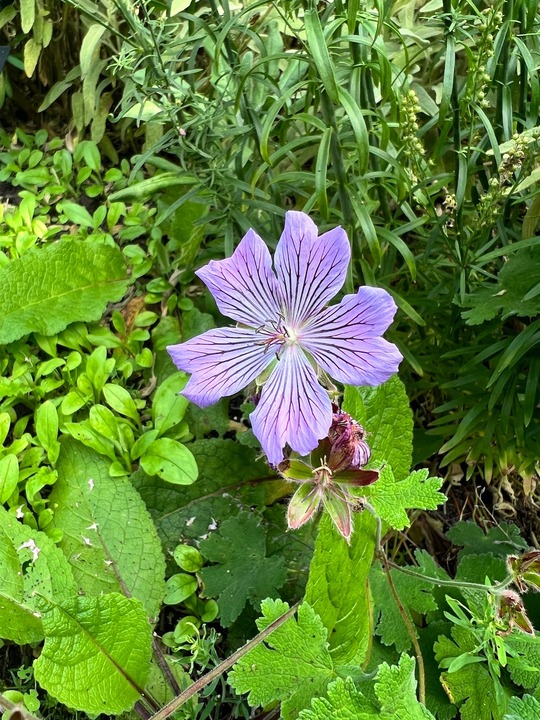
<point x="276" y="335"/>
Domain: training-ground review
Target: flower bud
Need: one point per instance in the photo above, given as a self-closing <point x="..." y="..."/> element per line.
<point x="511" y="610"/>
<point x="526" y="570"/>
<point x="348" y="448"/>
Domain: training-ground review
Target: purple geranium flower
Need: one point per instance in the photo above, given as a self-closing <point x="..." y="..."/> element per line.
<point x="286" y="329"/>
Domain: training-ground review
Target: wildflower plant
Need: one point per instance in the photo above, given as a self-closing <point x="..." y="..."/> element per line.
<point x="415" y="128"/>
<point x="288" y="341"/>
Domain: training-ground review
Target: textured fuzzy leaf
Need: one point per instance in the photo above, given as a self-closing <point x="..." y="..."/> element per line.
<point x="391" y="499"/>
<point x="503" y="539"/>
<point x="97" y="651"/>
<point x="243" y="572"/>
<point x="344" y="702"/>
<point x="415" y="594"/>
<point x="292" y="666"/>
<point x="30" y="563"/>
<point x="475" y="568"/>
<point x="109" y="538"/>
<point x="50" y="287"/>
<point x="396" y="691"/>
<point x="482" y="695"/>
<point x="220" y="492"/>
<point x="524" y="664"/>
<point x="338" y="590"/>
<point x="385" y="414"/>
<point x="525" y="708"/>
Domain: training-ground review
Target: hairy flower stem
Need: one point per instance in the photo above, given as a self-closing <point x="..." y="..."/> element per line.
<point x="379" y="552"/>
<point x="220" y="669"/>
<point x="459" y="584"/>
<point x="410" y="629"/>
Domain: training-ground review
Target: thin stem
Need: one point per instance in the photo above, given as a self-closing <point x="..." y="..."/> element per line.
<point x="199" y="684"/>
<point x="165" y="668"/>
<point x="410" y="629"/>
<point x="408" y="624"/>
<point x="459" y="584"/>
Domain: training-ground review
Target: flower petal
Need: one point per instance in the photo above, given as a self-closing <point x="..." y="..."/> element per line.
<point x="310" y="269"/>
<point x="345" y="339"/>
<point x="293" y="409"/>
<point x="244" y="285"/>
<point x="222" y="362"/>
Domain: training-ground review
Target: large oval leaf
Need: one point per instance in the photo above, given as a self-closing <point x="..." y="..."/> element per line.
<point x="50" y="287"/>
<point x="97" y="652"/>
<point x="109" y="540"/>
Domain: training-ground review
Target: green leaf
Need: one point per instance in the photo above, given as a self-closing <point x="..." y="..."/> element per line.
<point x="30" y="563"/>
<point x="97" y="651"/>
<point x="76" y="281"/>
<point x="344" y="702"/>
<point x="179" y="588"/>
<point x="141" y="445"/>
<point x="187" y="511"/>
<point x="171" y="461"/>
<point x="525" y="708"/>
<point x="482" y="695"/>
<point x="390" y="498"/>
<point x="90" y="42"/>
<point x="110" y="541"/>
<point x="358" y="124"/>
<point x="387" y="418"/>
<point x="475" y="568"/>
<point x="104" y="422"/>
<point x="28" y="14"/>
<point x="32" y="51"/>
<point x="243" y="572"/>
<point x="120" y="400"/>
<point x="319" y="52"/>
<point x="76" y="214"/>
<point x="9" y="477"/>
<point x="46" y="423"/>
<point x="85" y="433"/>
<point x="168" y="406"/>
<point x="396" y="691"/>
<point x="524" y="659"/>
<point x="513" y="294"/>
<point x="502" y="540"/>
<point x="213" y="419"/>
<point x="292" y="666"/>
<point x="416" y="596"/>
<point x="188" y="558"/>
<point x="337" y="587"/>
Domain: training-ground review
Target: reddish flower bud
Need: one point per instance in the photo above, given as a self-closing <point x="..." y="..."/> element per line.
<point x="348" y="447"/>
<point x="526" y="570"/>
<point x="511" y="610"/>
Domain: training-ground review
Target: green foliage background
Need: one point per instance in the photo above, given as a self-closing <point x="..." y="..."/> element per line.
<point x="139" y="141"/>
